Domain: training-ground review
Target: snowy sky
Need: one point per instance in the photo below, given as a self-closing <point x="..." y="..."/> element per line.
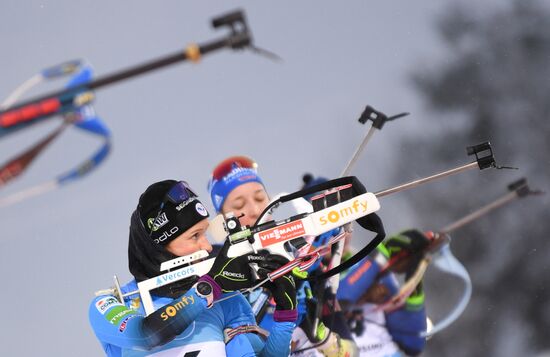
<point x="296" y="116"/>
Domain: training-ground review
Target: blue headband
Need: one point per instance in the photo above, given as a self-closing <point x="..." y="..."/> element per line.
<point x="220" y="189"/>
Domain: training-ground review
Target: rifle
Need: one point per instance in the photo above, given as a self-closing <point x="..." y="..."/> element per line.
<point x="277" y="236"/>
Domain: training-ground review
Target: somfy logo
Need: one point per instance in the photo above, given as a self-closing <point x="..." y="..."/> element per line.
<point x="176" y="306"/>
<point x="334" y="216"/>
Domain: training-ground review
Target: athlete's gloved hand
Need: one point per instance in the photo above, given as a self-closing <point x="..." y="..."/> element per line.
<point x="320" y="241"/>
<point x="415" y="301"/>
<point x="232" y="274"/>
<point x="411" y="240"/>
<point x="324" y="238"/>
<point x="335" y="346"/>
<point x="412" y="244"/>
<point x="283" y="289"/>
<point x="284" y="292"/>
<point x="304" y="298"/>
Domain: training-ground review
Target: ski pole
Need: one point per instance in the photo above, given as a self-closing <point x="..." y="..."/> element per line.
<point x="56" y="102"/>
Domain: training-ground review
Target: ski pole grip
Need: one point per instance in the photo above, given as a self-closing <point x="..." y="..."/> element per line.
<point x="483" y="153"/>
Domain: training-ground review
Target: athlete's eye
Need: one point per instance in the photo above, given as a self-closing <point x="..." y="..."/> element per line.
<point x="238" y="205"/>
<point x="195" y="236"/>
<point x="260" y="196"/>
<point x="261" y="199"/>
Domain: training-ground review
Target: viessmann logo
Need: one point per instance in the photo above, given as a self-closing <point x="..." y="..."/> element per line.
<point x="335" y="216"/>
<point x="282" y="233"/>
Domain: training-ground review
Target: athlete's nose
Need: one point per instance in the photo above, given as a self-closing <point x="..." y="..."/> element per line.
<point x="255" y="211"/>
<point x="205" y="244"/>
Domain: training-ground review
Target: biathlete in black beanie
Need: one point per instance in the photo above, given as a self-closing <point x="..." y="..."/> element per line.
<point x="170" y="222"/>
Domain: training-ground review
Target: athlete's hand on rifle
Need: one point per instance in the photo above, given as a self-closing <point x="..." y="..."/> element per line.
<point x="324" y="238"/>
<point x="320" y="241"/>
<point x="336" y="346"/>
<point x="410" y="245"/>
<point x="416" y="299"/>
<point x="283" y="289"/>
<point x="233" y="273"/>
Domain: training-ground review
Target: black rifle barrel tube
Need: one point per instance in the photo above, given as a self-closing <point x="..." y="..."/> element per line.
<point x="67" y="94"/>
<point x="153" y="65"/>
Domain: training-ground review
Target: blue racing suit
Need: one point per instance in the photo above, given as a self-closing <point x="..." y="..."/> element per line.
<point x="182" y="327"/>
<point x="380" y="333"/>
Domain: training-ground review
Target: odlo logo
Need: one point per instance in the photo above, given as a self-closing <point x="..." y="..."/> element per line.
<point x="335" y="216"/>
<point x="166" y="234"/>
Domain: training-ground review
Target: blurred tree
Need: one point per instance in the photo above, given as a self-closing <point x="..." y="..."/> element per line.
<point x="494" y="84"/>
